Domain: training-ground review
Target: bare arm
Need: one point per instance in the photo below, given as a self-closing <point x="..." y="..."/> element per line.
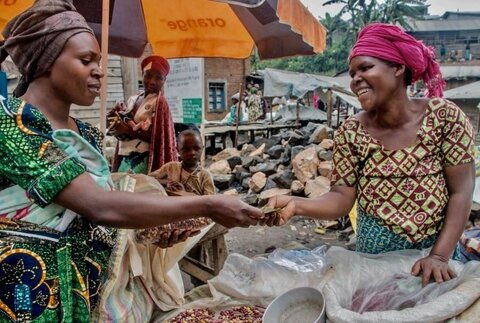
<point x="332" y="205"/>
<point x="131" y="210"/>
<point x="460" y="184"/>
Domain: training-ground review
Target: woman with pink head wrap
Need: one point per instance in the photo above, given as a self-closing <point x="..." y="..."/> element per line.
<point x="408" y="162"/>
<point x="390" y="43"/>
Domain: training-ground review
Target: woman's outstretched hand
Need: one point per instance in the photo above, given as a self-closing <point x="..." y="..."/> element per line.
<point x="287" y="210"/>
<point x="433" y="267"/>
<point x="231" y="212"/>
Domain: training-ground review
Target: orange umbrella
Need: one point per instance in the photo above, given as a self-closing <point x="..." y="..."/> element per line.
<point x="200" y="28"/>
<point x="197" y="28"/>
<point x="206" y="28"/>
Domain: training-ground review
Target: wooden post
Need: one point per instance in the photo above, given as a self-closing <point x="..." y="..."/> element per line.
<point x="338" y="110"/>
<point x="297" y="112"/>
<point x="104" y="64"/>
<point x="129" y="76"/>
<point x="329" y="107"/>
<point x="238" y="113"/>
<point x="271" y="114"/>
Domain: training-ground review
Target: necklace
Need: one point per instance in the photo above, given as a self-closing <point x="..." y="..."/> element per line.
<point x="189" y="174"/>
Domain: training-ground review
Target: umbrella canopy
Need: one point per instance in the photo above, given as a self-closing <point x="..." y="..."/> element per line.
<point x="201" y="28"/>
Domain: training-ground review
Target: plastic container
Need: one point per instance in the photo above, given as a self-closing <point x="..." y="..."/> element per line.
<point x="304" y="304"/>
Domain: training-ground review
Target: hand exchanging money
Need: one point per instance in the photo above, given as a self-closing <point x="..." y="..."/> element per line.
<point x="278" y="210"/>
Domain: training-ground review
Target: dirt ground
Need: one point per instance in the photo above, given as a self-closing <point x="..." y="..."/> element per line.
<point x="299" y="233"/>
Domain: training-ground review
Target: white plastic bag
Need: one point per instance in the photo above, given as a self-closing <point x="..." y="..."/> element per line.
<point x="379" y="288"/>
<point x="260" y="280"/>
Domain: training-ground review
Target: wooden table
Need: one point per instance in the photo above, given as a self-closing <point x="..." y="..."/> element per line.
<point x="205" y="271"/>
<point x="212" y="132"/>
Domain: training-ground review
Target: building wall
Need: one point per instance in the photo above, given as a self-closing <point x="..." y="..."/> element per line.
<point x="230" y="71"/>
<point x="453" y="40"/>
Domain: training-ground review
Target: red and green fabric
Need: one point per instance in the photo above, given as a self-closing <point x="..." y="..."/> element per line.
<point x="47" y="274"/>
<point x="404" y="190"/>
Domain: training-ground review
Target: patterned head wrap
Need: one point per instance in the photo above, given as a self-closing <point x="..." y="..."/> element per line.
<point x="36" y="37"/>
<point x="157" y="63"/>
<point x="393" y="44"/>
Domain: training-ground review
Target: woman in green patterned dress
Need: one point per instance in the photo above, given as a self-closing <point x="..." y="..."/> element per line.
<point x="55" y="188"/>
<point x="407" y="162"/>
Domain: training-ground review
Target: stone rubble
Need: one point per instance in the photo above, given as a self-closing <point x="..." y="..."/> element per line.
<point x="293" y="162"/>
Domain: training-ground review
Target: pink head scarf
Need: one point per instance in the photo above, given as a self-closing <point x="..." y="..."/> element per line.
<point x="393" y="44"/>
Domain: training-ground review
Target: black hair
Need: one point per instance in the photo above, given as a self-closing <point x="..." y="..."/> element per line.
<point x="408" y="73"/>
<point x="190" y="132"/>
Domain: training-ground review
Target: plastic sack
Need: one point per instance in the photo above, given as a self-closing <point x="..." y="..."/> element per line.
<point x="300" y="260"/>
<point x="260" y="280"/>
<point x="379" y="288"/>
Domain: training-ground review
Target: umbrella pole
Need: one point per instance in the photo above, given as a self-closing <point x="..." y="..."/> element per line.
<point x="104" y="63"/>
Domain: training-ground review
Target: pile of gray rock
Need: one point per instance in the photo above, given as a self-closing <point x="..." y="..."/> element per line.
<point x="293" y="162"/>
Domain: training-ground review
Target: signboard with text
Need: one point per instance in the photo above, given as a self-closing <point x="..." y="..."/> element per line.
<point x="184" y="89"/>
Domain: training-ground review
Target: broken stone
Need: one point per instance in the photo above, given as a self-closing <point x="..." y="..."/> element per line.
<point x="267" y="194"/>
<point x="283" y="179"/>
<point x="251" y="161"/>
<point x="247" y="149"/>
<point x="317" y="187"/>
<point x="305" y="165"/>
<point x="237" y="171"/>
<point x="222" y="182"/>
<point x="268" y="168"/>
<point x="270" y="184"/>
<point x="297" y="187"/>
<point x="257" y="182"/>
<point x="325" y="168"/>
<point x="250" y="199"/>
<point x="258" y="152"/>
<point x="296" y="138"/>
<point x="268" y="142"/>
<point x="325" y="155"/>
<point x="310" y="128"/>
<point x="224" y="154"/>
<point x="295" y="151"/>
<point x="231" y="192"/>
<point x="246" y="182"/>
<point x="234" y="161"/>
<point x="327" y="144"/>
<point x="276" y="151"/>
<point x="320" y="133"/>
<point x="220" y="167"/>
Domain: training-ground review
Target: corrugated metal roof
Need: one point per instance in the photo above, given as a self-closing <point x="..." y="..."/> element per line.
<point x="461" y="13"/>
<point x="469" y="91"/>
<point x="444" y="25"/>
<point x="459" y="71"/>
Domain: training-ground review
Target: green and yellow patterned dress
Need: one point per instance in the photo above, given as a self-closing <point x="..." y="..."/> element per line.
<point x="402" y="194"/>
<point x="52" y="262"/>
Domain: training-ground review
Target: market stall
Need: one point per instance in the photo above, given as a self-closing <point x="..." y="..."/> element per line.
<point x="356" y="287"/>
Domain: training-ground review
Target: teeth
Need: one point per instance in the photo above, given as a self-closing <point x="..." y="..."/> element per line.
<point x="362" y="91"/>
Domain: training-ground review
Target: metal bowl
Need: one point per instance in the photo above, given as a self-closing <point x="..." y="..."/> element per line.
<point x="304" y="304"/>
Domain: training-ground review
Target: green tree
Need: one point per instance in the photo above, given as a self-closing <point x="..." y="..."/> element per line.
<point x="398" y="11"/>
<point x="342" y="31"/>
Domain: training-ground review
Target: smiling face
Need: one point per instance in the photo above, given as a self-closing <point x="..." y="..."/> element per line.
<point x="375" y="81"/>
<point x="153" y="81"/>
<point x="75" y="75"/>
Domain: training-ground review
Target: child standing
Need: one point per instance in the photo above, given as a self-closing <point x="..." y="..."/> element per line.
<point x="187" y="175"/>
